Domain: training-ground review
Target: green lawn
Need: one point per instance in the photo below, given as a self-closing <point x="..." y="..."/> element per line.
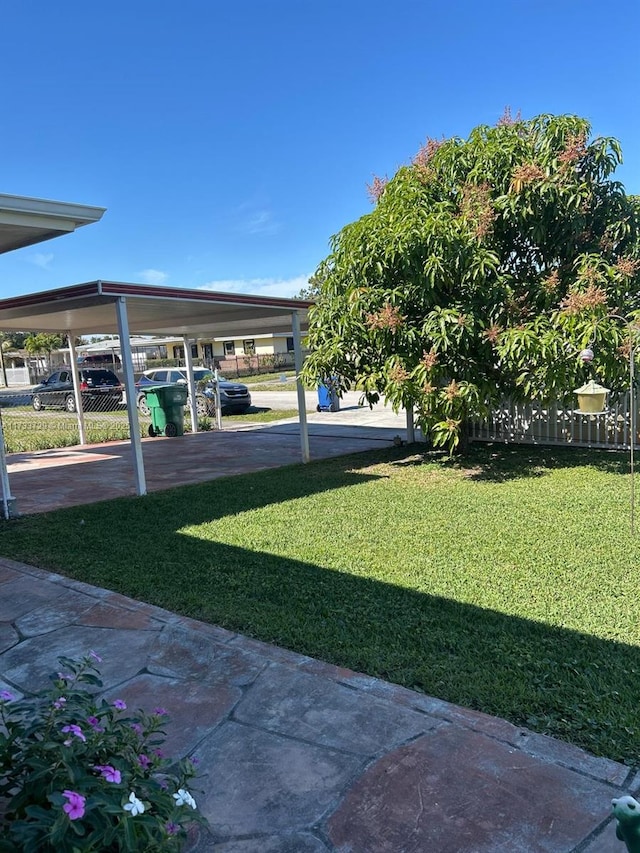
<point x="506" y="582"/>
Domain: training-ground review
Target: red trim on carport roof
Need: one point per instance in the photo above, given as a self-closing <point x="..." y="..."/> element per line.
<point x="112" y="288"/>
<point x="89" y="289"/>
<point x="120" y="289"/>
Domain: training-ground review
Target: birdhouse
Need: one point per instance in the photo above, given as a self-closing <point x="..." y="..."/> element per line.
<point x="591" y="398"/>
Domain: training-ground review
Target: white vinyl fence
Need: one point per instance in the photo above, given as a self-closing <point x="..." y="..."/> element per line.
<point x="551" y="423"/>
<point x="17" y="376"/>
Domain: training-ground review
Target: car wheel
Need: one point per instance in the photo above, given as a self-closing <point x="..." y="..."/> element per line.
<point x="36" y="402"/>
<point x="70" y="403"/>
<point x="143" y="406"/>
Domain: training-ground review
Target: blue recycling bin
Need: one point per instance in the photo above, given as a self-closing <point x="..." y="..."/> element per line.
<point x="328" y="399"/>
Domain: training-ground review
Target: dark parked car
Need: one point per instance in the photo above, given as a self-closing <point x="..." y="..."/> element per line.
<point x="99" y="389"/>
<point x="234" y="397"/>
<point x="99" y="360"/>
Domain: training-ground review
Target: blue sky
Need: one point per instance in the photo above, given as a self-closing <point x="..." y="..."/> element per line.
<point x="229" y="140"/>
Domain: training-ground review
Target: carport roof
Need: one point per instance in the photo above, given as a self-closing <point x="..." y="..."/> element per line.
<point x="90" y="309"/>
<point x="25" y="221"/>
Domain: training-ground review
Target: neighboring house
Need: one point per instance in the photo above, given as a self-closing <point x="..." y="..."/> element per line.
<point x="221" y="349"/>
<point x="16" y="368"/>
<point x="143" y="350"/>
<point x="234" y="355"/>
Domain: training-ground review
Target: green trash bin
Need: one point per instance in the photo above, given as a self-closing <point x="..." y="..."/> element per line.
<point x="166" y="406"/>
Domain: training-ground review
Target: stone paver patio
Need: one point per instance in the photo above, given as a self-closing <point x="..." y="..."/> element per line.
<point x="300" y="756"/>
<point x="44" y="480"/>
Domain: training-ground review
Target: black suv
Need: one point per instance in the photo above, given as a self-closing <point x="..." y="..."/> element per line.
<point x="99" y="360"/>
<point x="100" y="389"/>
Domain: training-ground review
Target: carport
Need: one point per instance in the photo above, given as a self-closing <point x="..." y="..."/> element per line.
<point x="103" y="307"/>
<point x="24" y="222"/>
<point x="100" y="307"/>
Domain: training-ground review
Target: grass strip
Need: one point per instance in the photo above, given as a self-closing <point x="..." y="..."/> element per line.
<point x="26" y="431"/>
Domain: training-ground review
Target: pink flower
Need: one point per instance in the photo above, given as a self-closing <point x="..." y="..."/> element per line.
<point x="144" y="761"/>
<point x="94" y="722"/>
<point x="66" y="677"/>
<point x="6" y="696"/>
<point x="59" y="703"/>
<point x="74" y="730"/>
<point x="109" y="773"/>
<point x="75" y="807"/>
<point x="172" y="828"/>
<point x="95" y="656"/>
<point x="120" y="704"/>
<point x="161" y="712"/>
<point x="137" y="728"/>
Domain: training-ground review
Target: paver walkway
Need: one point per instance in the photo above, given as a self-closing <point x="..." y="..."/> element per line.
<point x="303" y="757"/>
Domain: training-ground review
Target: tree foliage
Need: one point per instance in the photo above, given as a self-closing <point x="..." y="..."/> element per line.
<point x="312" y="291"/>
<point x="12" y="340"/>
<point x="37" y="343"/>
<point x="486" y="265"/>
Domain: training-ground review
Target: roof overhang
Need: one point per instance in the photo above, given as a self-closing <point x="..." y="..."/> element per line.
<point x="25" y="221"/>
<point x="89" y="308"/>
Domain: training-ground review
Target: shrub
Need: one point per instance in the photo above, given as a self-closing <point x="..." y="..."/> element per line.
<point x="78" y="773"/>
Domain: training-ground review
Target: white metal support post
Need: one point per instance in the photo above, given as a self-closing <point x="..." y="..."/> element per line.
<point x="130" y="389"/>
<point x="8" y="502"/>
<point x="191" y="384"/>
<point x="302" y="405"/>
<point x="73" y="361"/>
<point x="216" y="375"/>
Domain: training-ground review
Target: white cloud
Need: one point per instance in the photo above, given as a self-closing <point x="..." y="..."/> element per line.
<point x="40" y="259"/>
<point x="261" y="222"/>
<point x="153" y="276"/>
<point x="255" y="216"/>
<point x="260" y="286"/>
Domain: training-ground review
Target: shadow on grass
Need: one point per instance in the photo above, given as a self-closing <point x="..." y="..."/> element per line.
<point x="557" y="681"/>
<point x="500" y="463"/>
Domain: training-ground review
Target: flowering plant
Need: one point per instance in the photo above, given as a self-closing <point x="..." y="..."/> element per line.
<point x="79" y="773"/>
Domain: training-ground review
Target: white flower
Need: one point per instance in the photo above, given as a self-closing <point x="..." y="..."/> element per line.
<point x="135" y="806"/>
<point x="184" y="798"/>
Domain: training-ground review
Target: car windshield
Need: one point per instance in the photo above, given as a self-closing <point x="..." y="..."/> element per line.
<point x="202" y="375"/>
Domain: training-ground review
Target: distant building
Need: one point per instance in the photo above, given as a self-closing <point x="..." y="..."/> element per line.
<point x="236" y="356"/>
<point x="229" y="349"/>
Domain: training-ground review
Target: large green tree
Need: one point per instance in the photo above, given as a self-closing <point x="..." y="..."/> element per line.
<point x="485" y="267"/>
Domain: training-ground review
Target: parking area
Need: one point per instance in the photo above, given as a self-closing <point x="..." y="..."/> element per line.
<point x="50" y="479"/>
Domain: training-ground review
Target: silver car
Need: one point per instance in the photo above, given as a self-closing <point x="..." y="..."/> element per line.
<point x="234" y="397"/>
